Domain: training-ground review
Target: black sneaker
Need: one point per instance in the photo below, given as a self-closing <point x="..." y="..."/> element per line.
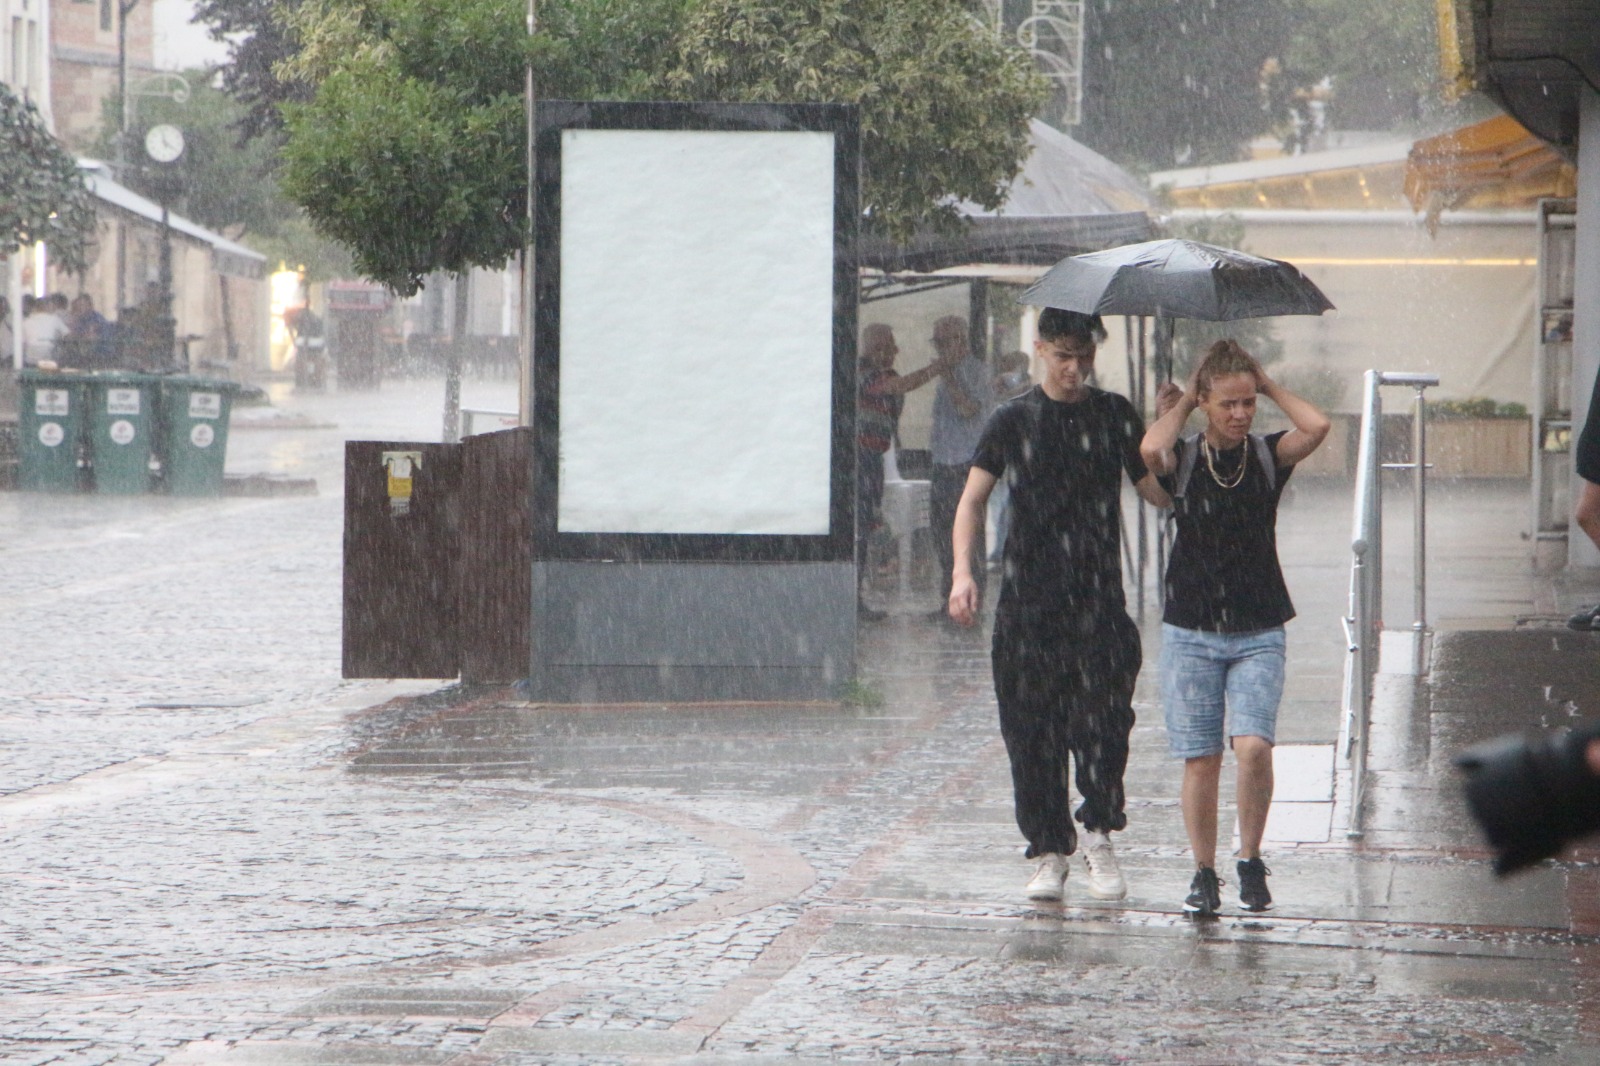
<point x="1253" y="894"/>
<point x="1205" y="894"/>
<point x="1586" y="620"/>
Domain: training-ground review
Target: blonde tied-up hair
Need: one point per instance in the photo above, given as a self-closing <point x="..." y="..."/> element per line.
<point x="1224" y="357"/>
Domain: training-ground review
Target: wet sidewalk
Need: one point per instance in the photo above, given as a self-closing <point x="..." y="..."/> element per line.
<point x="220" y="853"/>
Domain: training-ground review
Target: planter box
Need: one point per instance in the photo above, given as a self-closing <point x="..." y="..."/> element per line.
<point x="1457" y="447"/>
<point x="1480" y="447"/>
<point x="1465" y="447"/>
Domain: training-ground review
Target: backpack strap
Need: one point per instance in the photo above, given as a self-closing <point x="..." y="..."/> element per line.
<point x="1258" y="445"/>
<point x="1186" y="467"/>
<point x="1269" y="464"/>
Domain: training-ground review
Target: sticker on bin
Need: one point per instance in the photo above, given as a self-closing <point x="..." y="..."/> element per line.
<point x="122" y="431"/>
<point x="205" y="405"/>
<point x="51" y="434"/>
<point x="399" y="467"/>
<point x="52" y="402"/>
<point x="122" y="401"/>
<point x="202" y="435"/>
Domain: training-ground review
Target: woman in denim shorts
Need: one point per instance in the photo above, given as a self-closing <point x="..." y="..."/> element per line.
<point x="1222" y="647"/>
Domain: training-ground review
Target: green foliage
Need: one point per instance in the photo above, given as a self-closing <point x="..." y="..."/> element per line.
<point x="218" y="182"/>
<point x="42" y="193"/>
<point x="260" y="39"/>
<point x="1190" y="82"/>
<point x="1475" y="407"/>
<point x="410" y="150"/>
<point x="944" y="106"/>
<point x="1382" y="57"/>
<point x="1175" y="82"/>
<point x="296" y="244"/>
<point x="862" y="694"/>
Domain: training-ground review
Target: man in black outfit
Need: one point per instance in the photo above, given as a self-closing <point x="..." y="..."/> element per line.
<point x="1065" y="652"/>
<point x="1587" y="511"/>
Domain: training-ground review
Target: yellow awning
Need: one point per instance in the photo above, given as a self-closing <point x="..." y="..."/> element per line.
<point x="1495" y="163"/>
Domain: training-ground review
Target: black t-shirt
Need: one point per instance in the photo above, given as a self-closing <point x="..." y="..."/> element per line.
<point x="1588" y="446"/>
<point x="1224" y="576"/>
<point x="1064" y="464"/>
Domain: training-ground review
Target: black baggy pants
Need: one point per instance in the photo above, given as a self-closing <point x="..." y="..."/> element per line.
<point x="1065" y="688"/>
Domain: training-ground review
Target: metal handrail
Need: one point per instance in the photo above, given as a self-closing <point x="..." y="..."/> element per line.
<point x="1363" y="626"/>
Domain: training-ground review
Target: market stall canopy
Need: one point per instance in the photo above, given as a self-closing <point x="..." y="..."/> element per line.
<point x="1496" y="163"/>
<point x="1067" y="199"/>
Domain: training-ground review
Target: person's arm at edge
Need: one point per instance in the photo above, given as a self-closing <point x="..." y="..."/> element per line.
<point x="1151" y="492"/>
<point x="1310" y="424"/>
<point x="963" y="534"/>
<point x="902" y="383"/>
<point x="1163" y="434"/>
<point x="966" y="405"/>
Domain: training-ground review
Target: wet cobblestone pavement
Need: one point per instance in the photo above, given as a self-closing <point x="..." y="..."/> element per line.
<point x="219" y="852"/>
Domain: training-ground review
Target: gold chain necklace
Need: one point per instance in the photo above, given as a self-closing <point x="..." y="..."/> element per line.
<point x="1211" y="465"/>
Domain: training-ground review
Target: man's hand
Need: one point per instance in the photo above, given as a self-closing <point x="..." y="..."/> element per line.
<point x="964" y="599"/>
<point x="1167" y="397"/>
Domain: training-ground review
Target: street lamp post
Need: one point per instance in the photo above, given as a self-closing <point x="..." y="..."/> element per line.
<point x="164" y="144"/>
<point x="120" y="150"/>
<point x="525" y="384"/>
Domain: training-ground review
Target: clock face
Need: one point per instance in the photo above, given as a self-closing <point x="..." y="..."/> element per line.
<point x="164" y="143"/>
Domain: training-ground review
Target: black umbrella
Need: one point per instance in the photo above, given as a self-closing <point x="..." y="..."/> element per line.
<point x="1179" y="279"/>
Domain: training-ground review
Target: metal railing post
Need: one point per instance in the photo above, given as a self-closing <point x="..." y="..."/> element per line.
<point x="1363" y="626"/>
<point x="1419" y="482"/>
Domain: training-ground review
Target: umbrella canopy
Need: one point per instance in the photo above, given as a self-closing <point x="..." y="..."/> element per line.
<point x="1180" y="279"/>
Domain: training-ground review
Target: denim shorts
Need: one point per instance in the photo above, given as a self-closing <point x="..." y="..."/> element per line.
<point x="1206" y="677"/>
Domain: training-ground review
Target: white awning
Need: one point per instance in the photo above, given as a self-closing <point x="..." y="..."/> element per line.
<point x="229" y="257"/>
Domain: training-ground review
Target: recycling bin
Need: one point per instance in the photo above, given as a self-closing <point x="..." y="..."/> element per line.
<point x="121" y="432"/>
<point x="51" y="420"/>
<point x="193" y="440"/>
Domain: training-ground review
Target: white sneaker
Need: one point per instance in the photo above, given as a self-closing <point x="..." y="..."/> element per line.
<point x="1046" y="882"/>
<point x="1105" y="876"/>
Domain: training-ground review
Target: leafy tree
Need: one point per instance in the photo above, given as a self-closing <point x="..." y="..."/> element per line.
<point x="220" y="181"/>
<point x="1381" y="57"/>
<point x="1176" y="82"/>
<point x="944" y="106"/>
<point x="1188" y="82"/>
<point x="217" y="182"/>
<point x="42" y="193"/>
<point x="411" y="149"/>
<point x="260" y="39"/>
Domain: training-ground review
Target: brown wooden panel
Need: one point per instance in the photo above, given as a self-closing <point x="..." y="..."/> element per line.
<point x="401" y="583"/>
<point x="496" y="555"/>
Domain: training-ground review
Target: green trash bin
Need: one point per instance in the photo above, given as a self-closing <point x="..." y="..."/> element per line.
<point x="194" y="434"/>
<point x="122" y="432"/>
<point x="51" y="419"/>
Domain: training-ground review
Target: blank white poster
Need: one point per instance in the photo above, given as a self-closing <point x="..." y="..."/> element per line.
<point x="696" y="331"/>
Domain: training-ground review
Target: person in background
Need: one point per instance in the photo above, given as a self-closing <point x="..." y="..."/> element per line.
<point x="1222" y="630"/>
<point x="8" y="337"/>
<point x="961" y="407"/>
<point x="41" y="329"/>
<point x="1587" y="513"/>
<point x="89" y="331"/>
<point x="880" y="399"/>
<point x="1065" y="653"/>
